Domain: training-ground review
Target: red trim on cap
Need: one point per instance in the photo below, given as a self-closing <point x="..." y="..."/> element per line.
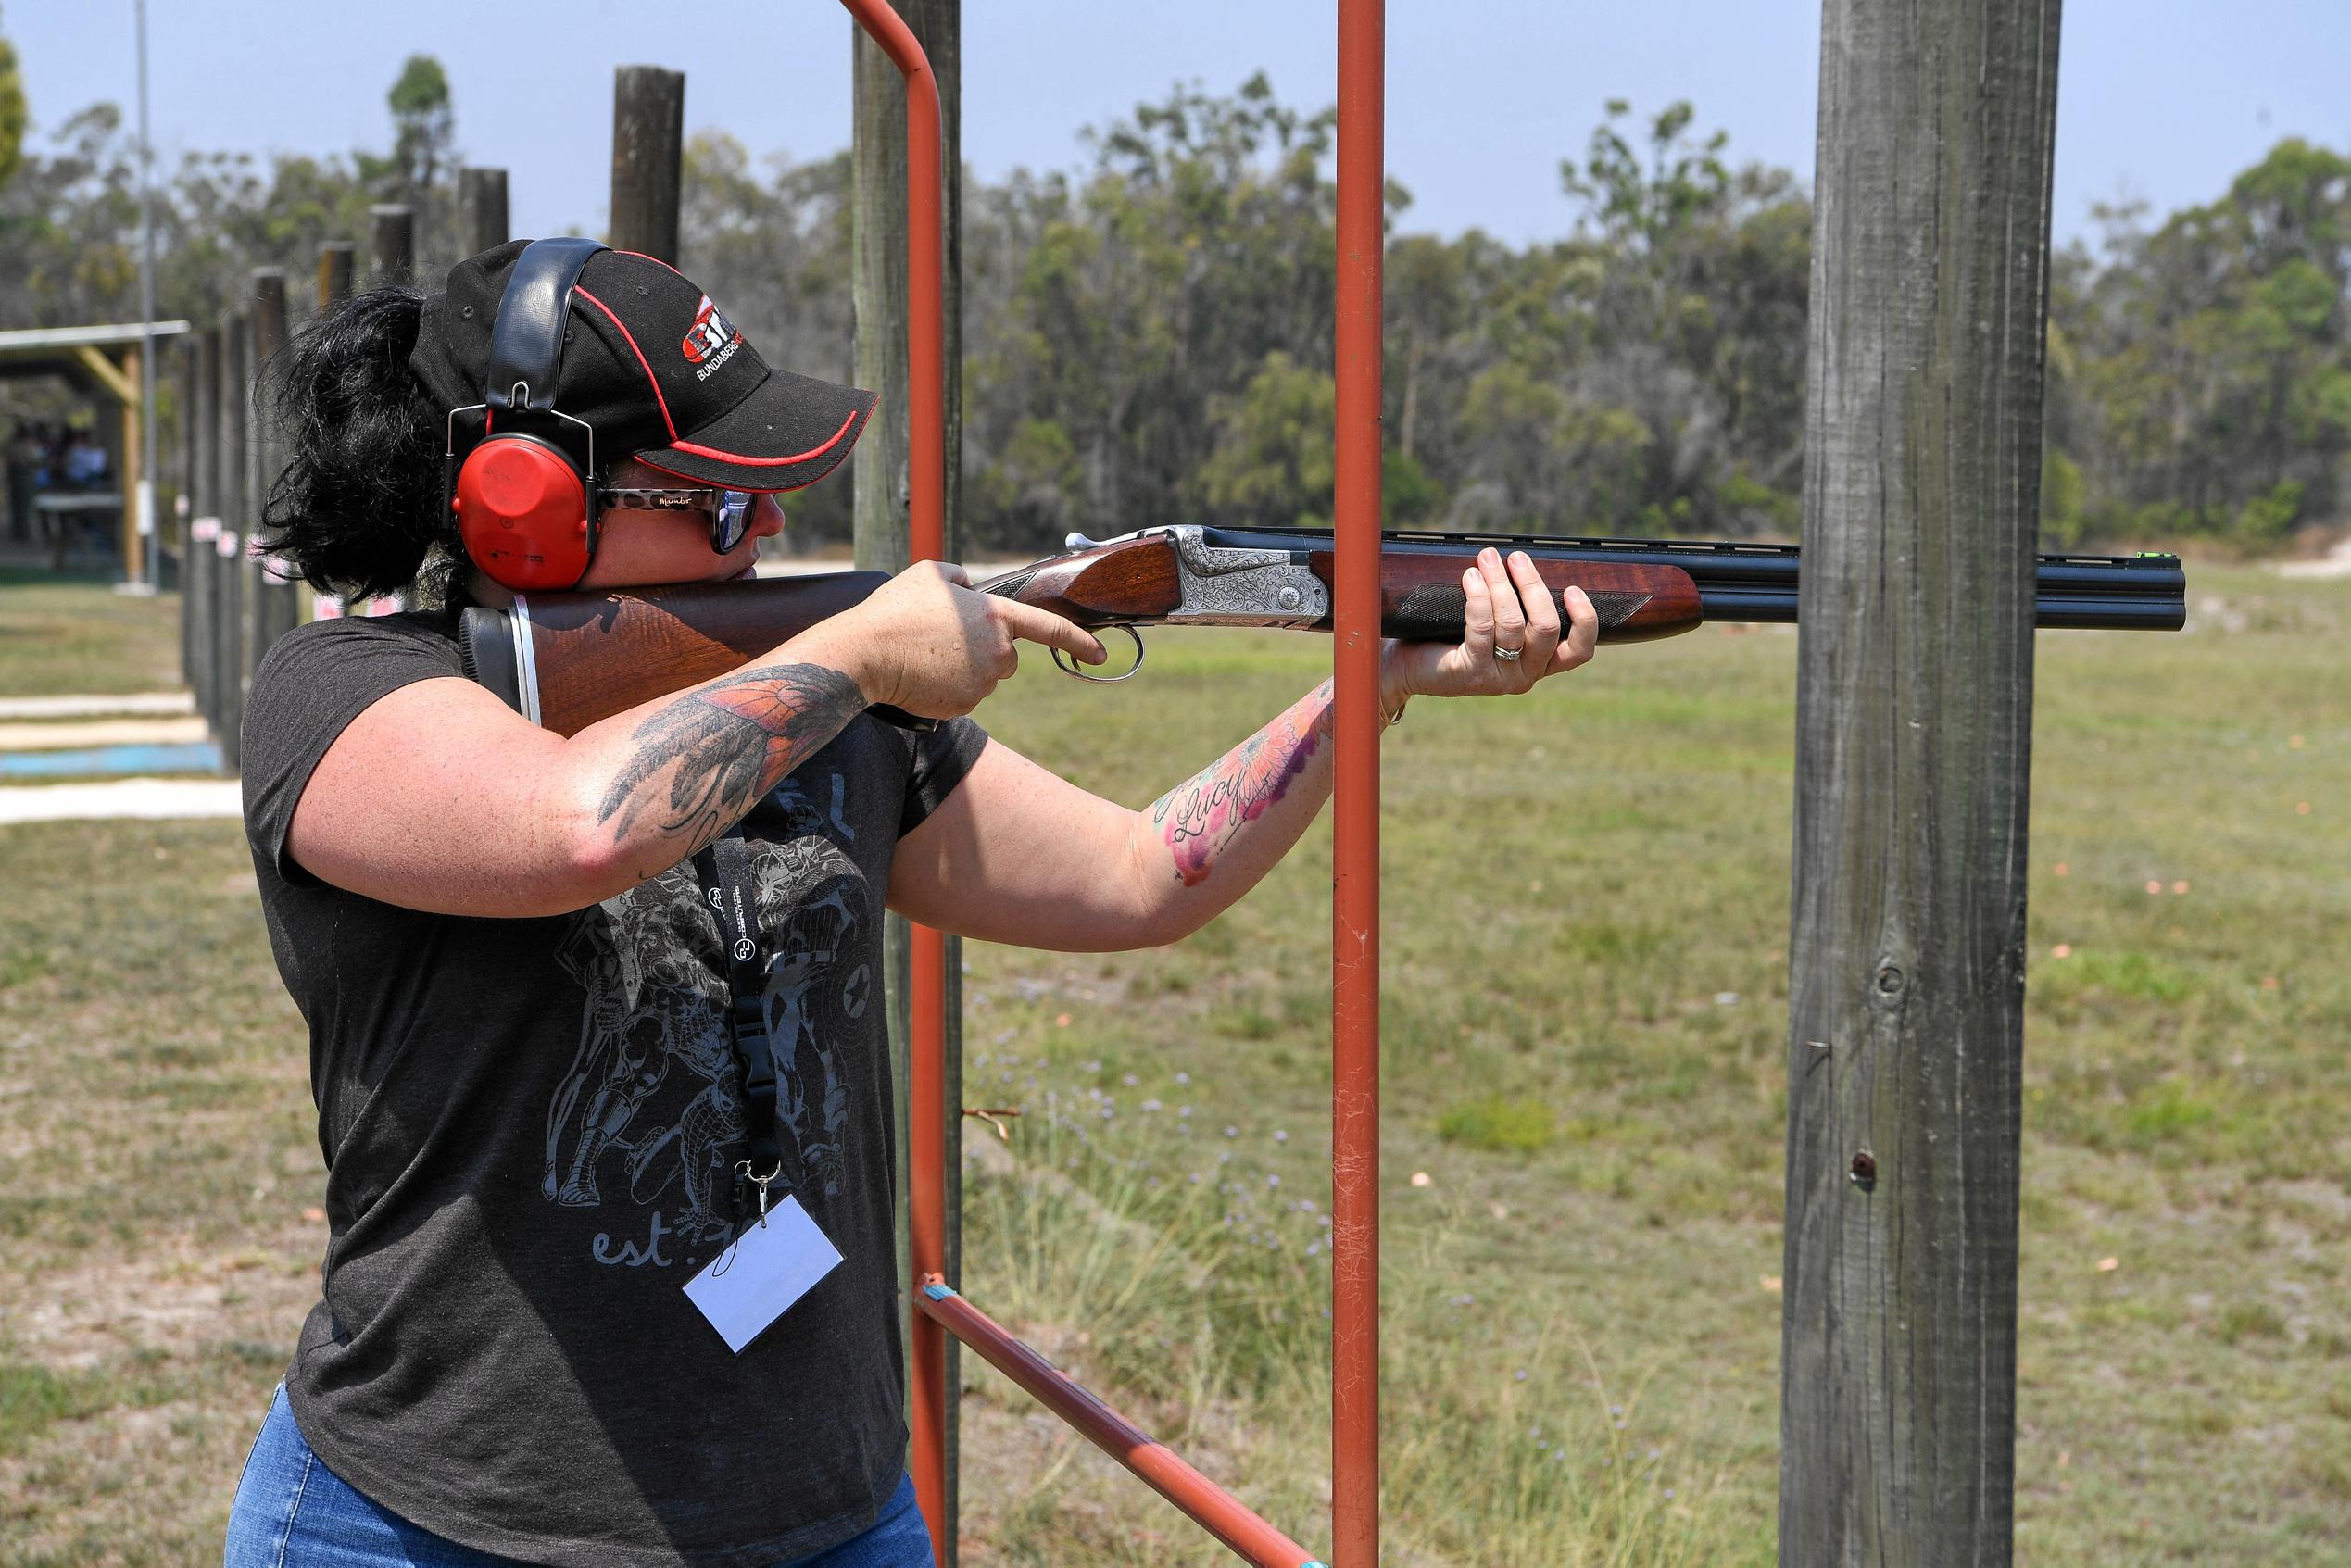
<point x="691" y="450"/>
<point x="698" y="479"/>
<point x="654" y="260"/>
<point x="650" y="379"/>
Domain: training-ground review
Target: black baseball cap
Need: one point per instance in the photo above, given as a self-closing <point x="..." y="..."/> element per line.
<point x="656" y="370"/>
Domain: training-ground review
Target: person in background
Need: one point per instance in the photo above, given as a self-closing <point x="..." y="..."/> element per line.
<point x="24" y="456"/>
<point x="84" y="462"/>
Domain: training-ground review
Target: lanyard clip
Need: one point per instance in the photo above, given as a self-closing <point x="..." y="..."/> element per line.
<point x="742" y="1169"/>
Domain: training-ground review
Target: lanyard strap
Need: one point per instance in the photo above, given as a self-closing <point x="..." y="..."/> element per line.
<point x="724" y="868"/>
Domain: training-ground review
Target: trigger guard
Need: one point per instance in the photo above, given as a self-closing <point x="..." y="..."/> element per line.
<point x="1061" y="661"/>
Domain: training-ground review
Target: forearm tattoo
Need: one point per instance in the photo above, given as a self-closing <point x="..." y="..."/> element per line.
<point x="1198" y="817"/>
<point x="726" y="746"/>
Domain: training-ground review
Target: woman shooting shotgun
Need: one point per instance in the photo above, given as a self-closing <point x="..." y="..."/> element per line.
<point x="603" y="1090"/>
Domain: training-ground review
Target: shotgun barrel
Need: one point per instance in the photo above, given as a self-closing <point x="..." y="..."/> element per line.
<point x="1757" y="583"/>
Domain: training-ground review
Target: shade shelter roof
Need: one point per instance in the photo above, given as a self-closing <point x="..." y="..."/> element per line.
<point x="52" y="342"/>
<point x="91" y="351"/>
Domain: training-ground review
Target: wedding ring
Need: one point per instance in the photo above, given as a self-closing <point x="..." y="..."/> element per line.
<point x="1508" y="656"/>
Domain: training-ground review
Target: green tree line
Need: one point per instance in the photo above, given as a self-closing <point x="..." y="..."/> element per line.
<point x="1148" y="338"/>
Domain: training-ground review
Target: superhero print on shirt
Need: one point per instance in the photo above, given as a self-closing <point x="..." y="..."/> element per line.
<point x="646" y="1123"/>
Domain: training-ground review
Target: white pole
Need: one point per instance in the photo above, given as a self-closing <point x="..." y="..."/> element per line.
<point x="149" y="541"/>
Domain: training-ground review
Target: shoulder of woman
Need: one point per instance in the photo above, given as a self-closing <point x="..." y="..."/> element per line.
<point x="351" y="661"/>
<point x="339" y="638"/>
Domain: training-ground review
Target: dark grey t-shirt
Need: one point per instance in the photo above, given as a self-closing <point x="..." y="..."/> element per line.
<point x="529" y="1126"/>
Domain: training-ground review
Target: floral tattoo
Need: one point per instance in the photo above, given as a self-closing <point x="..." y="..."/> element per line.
<point x="1198" y="817"/>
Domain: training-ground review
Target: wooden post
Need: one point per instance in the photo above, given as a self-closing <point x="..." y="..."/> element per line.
<point x="132" y="471"/>
<point x="879" y="473"/>
<point x="196" y="561"/>
<point x="482" y="210"/>
<point x="276" y="606"/>
<point x="649" y="149"/>
<point x="228" y="597"/>
<point x="391" y="244"/>
<point x="183" y="506"/>
<point x="1930" y="281"/>
<point x="334" y="273"/>
<point x="334" y="288"/>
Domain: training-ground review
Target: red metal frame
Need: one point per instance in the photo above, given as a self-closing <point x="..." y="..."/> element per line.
<point x="1355" y="894"/>
<point x="1355" y="933"/>
<point x="927" y="1006"/>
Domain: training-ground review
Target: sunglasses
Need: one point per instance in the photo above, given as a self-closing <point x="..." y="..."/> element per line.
<point x="730" y="511"/>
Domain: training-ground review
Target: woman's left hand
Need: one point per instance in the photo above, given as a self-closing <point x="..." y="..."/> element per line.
<point x="1506" y="610"/>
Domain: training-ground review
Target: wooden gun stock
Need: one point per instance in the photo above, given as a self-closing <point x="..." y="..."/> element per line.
<point x="566" y="660"/>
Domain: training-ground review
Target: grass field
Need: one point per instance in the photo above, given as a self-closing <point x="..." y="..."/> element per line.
<point x="1584" y="1036"/>
<point x="71" y="634"/>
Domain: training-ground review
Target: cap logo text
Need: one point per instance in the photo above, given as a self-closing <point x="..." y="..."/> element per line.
<point x="711" y="340"/>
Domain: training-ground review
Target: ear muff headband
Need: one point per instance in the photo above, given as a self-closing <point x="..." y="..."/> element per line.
<point x="526" y="341"/>
<point x="525" y="505"/>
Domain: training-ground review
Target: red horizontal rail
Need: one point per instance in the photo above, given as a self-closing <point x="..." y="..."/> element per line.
<point x="1208" y="1505"/>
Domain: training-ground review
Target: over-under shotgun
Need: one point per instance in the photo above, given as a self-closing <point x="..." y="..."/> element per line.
<point x="565" y="660"/>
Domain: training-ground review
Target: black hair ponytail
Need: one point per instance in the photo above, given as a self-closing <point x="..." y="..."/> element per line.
<point x="357" y="509"/>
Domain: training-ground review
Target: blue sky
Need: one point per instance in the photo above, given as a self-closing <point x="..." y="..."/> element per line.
<point x="2161" y="100"/>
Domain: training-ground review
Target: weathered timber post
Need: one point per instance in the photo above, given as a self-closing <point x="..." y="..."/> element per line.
<point x="335" y="282"/>
<point x="276" y="609"/>
<point x="879" y="473"/>
<point x="334" y="273"/>
<point x="182" y="489"/>
<point x="228" y="597"/>
<point x="391" y="244"/>
<point x="133" y="467"/>
<point x="1914" y="724"/>
<point x="244" y="568"/>
<point x="481" y="210"/>
<point x="196" y="560"/>
<point x="648" y="147"/>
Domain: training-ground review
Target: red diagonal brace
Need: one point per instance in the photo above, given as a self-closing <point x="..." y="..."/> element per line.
<point x="1212" y="1508"/>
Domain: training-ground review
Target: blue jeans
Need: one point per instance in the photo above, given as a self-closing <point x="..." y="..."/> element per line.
<point x="292" y="1511"/>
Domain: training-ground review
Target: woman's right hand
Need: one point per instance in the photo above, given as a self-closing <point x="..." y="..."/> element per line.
<point x="927" y="643"/>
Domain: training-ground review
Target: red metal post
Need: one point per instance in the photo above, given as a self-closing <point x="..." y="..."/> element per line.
<point x="1355" y="900"/>
<point x="1215" y="1509"/>
<point x="1355" y="810"/>
<point x="926" y="1008"/>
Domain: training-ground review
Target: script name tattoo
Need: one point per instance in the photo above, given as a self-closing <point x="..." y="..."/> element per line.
<point x="726" y="746"/>
<point x="1199" y="816"/>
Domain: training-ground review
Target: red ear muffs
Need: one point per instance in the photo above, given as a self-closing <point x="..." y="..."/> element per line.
<point x="522" y="512"/>
<point x="523" y="508"/>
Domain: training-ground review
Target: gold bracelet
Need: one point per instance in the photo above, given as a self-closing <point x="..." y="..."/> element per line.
<point x="1390" y="720"/>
